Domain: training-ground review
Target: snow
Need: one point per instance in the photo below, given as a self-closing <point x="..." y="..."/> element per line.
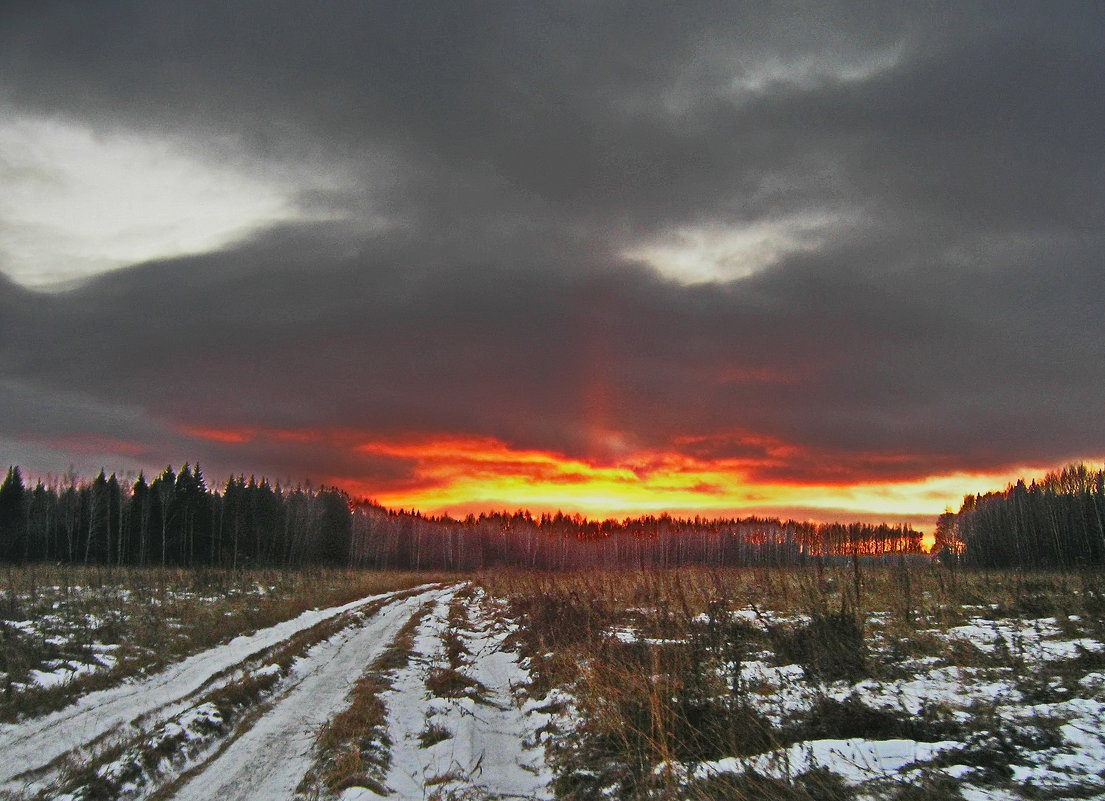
<point x="191" y="726"/>
<point x="1016" y="659"/>
<point x="492" y="746"/>
<point x="63" y="672"/>
<point x="137" y="705"/>
<point x="973" y="793"/>
<point x="491" y="737"/>
<point x="857" y="760"/>
<point x="359" y="794"/>
<point x="631" y="635"/>
<point x="1037" y="638"/>
<point x="271" y="758"/>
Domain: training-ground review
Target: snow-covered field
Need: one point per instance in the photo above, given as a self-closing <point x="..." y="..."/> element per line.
<point x="1026" y="721"/>
<point x="169" y="734"/>
<point x="138" y="705"/>
<point x="488" y="700"/>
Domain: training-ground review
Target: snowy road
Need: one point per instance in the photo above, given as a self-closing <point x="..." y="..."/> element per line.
<point x="270" y="759"/>
<point x="490" y="745"/>
<point x="31" y="746"/>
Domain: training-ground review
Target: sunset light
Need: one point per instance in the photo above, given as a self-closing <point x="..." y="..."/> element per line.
<point x="458" y="475"/>
<point x="595" y="259"/>
<point x="606" y="401"/>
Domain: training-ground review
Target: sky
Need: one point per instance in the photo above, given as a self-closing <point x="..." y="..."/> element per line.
<point x="815" y="260"/>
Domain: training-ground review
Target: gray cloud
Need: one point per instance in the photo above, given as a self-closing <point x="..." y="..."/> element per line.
<point x="951" y="317"/>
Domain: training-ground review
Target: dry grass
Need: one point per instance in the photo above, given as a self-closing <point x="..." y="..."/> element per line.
<point x="433" y="734"/>
<point x="450" y="680"/>
<point x="815" y="785"/>
<point x="652" y="658"/>
<point x="456" y="652"/>
<point x="344" y="737"/>
<point x="444" y="682"/>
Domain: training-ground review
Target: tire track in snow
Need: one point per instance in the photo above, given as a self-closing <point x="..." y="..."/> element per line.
<point x="492" y="749"/>
<point x="269" y="760"/>
<point x="31" y="746"/>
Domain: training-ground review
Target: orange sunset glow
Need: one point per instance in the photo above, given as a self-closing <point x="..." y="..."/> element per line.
<point x="637" y="271"/>
<point x="460" y="474"/>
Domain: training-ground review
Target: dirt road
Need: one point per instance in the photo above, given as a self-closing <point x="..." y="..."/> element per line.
<point x="270" y="759"/>
<point x="33" y="749"/>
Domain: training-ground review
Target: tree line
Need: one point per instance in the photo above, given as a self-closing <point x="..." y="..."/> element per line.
<point x="178" y="520"/>
<point x="173" y="520"/>
<point x="408" y="540"/>
<point x="1054" y="522"/>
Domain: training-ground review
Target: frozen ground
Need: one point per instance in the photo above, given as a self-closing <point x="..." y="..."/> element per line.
<point x="56" y="635"/>
<point x="1000" y="708"/>
<point x="270" y="758"/>
<point x="487" y="744"/>
<point x="136" y="707"/>
<point x="1028" y="714"/>
<point x="165" y="736"/>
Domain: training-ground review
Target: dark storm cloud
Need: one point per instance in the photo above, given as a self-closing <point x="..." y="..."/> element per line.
<point x="951" y="318"/>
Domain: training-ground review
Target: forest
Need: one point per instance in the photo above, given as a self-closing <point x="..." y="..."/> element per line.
<point x="1054" y="522"/>
<point x="178" y="520"/>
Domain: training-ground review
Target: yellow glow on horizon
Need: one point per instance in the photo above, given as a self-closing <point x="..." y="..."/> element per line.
<point x="458" y="474"/>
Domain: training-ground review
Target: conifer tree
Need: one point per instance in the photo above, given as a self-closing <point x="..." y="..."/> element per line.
<point x="13" y="518"/>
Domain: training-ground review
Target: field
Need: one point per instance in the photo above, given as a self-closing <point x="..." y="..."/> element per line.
<point x="822" y="683"/>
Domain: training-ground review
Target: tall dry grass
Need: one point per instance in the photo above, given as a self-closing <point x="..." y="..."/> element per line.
<point x="653" y="660"/>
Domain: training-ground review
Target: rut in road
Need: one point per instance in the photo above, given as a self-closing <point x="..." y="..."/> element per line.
<point x="31" y="746"/>
<point x="269" y="760"/>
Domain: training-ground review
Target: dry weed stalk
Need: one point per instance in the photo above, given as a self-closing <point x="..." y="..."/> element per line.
<point x="653" y="659"/>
